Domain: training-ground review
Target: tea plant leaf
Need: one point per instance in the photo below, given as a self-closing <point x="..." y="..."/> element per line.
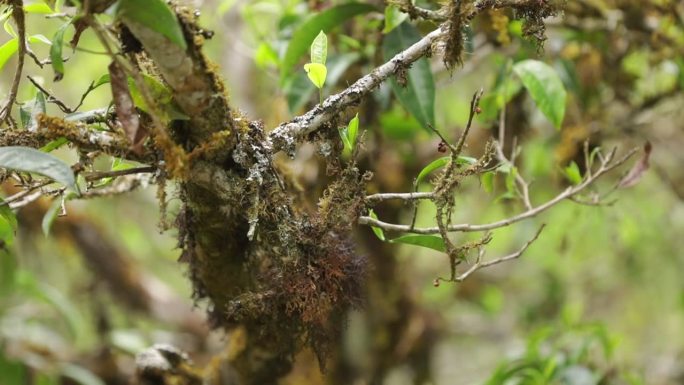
<point x="155" y="15"/>
<point x="545" y="87"/>
<point x="418" y="94"/>
<point x="27" y="159"/>
<point x="430" y="241"/>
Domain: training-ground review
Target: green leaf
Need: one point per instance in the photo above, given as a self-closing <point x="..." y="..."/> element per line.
<point x="393" y="17"/>
<point x="572" y="172"/>
<point x="510" y="181"/>
<point x="30" y="110"/>
<point x="430" y="241"/>
<point x="304" y="35"/>
<point x="265" y="55"/>
<point x="434" y="165"/>
<point x="27" y="159"/>
<point x="545" y="87"/>
<point x="378" y="231"/>
<point x="80" y="375"/>
<point x="317" y="73"/>
<point x="53" y="145"/>
<point x="51" y="215"/>
<point x="319" y="48"/>
<point x="7" y="50"/>
<point x="9" y="29"/>
<point x="39" y="39"/>
<point x="37" y="8"/>
<point x="56" y="52"/>
<point x="487" y="181"/>
<point x="418" y="96"/>
<point x="155" y="15"/>
<point x="158" y="91"/>
<point x="353" y="130"/>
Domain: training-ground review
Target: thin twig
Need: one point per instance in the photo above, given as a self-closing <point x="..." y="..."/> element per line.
<point x="89" y="177"/>
<point x="375" y="198"/>
<point x="607" y="165"/>
<point x="18" y="16"/>
<point x="481" y="265"/>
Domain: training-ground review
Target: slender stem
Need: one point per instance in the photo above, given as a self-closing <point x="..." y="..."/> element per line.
<point x="606" y="166"/>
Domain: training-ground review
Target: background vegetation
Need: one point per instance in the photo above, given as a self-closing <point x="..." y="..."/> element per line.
<point x="597" y="299"/>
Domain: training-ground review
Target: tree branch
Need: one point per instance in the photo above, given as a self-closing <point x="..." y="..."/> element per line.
<point x="285" y="136"/>
<point x="481" y="265"/>
<point x="607" y="165"/>
<point x="18" y="16"/>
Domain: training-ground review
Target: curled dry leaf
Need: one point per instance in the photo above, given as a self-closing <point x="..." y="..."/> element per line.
<point x="125" y="108"/>
<point x="637" y="171"/>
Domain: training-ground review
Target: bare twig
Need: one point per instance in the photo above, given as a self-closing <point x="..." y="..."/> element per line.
<point x="418" y="12"/>
<point x="53" y="99"/>
<point x="89" y="177"/>
<point x="481" y="265"/>
<point x="18" y="16"/>
<point x="375" y="198"/>
<point x="608" y="164"/>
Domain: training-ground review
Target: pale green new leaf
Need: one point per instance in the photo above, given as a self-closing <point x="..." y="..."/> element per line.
<point x="572" y="172"/>
<point x="319" y="49"/>
<point x="317" y="73"/>
<point x="545" y="87"/>
<point x="353" y="130"/>
<point x="7" y="50"/>
<point x="37" y="8"/>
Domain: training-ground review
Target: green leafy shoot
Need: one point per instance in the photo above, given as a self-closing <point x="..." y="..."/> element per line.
<point x="378" y="231"/>
<point x="349" y="135"/>
<point x="307" y="31"/>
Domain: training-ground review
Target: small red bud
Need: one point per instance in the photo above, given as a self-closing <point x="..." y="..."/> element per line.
<point x="442" y="147"/>
<point x="478" y="110"/>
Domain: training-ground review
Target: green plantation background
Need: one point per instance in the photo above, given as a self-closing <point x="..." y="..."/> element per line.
<point x="597" y="299"/>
